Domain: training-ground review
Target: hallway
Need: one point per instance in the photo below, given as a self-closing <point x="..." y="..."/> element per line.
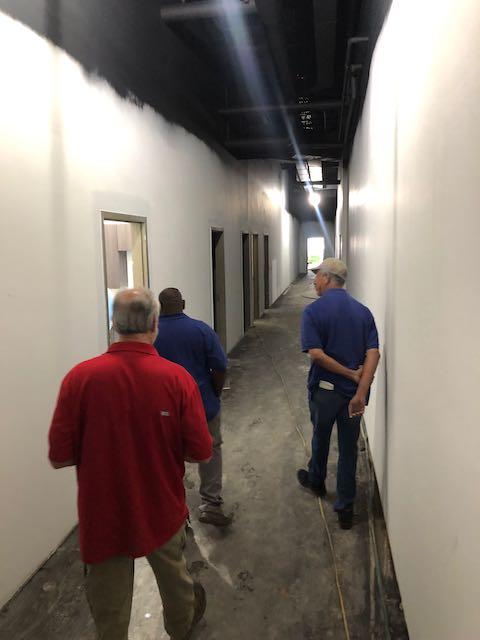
<point x="270" y="575"/>
<point x="201" y="144"/>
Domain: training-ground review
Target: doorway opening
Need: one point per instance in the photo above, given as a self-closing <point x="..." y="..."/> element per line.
<point x="124" y="257"/>
<point x="246" y="280"/>
<point x="256" y="279"/>
<point x="266" y="272"/>
<point x="315" y="251"/>
<point x="218" y="286"/>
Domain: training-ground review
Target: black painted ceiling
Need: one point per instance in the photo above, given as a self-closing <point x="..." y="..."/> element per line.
<point x="254" y="78"/>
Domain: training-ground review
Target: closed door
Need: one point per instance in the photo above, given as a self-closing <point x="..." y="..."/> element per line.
<point x="266" y="272"/>
<point x="256" y="279"/>
<point x="246" y="280"/>
<point x="218" y="285"/>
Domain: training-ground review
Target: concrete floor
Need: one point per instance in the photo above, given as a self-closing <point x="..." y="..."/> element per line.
<point x="270" y="575"/>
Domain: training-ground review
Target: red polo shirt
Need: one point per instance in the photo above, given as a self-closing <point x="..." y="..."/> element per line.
<point x="128" y="419"/>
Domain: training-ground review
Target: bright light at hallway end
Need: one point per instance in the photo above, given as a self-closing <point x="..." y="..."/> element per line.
<point x="314" y="198"/>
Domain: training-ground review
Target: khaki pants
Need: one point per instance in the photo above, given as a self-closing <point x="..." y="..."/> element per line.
<point x="109" y="587"/>
<point x="211" y="472"/>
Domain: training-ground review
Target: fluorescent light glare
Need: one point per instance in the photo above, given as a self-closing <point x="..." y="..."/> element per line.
<point x="276" y="197"/>
<point x="314" y="198"/>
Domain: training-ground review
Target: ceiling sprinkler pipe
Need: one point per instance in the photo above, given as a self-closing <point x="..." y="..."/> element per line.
<point x="304" y="106"/>
<point x="351" y="42"/>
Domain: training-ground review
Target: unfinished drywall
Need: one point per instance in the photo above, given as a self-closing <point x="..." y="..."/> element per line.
<point x="413" y="253"/>
<point x="71" y="148"/>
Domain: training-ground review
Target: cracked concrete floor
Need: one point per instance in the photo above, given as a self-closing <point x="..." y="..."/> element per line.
<point x="270" y="574"/>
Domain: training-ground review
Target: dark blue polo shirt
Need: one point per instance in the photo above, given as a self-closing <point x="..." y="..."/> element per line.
<point x="195" y="346"/>
<point x="345" y="329"/>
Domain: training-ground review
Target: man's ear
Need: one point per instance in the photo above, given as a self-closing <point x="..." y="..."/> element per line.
<point x="183" y="304"/>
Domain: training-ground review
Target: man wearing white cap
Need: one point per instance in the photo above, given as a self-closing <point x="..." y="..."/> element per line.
<point x="341" y="338"/>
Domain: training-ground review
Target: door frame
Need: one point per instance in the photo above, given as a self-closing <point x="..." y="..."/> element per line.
<point x="266" y="271"/>
<point x="214" y="228"/>
<point x="122" y="217"/>
<point x="256" y="276"/>
<point x="246" y="278"/>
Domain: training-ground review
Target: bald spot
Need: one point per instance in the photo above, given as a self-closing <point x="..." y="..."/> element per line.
<point x="133" y="311"/>
<point x="127" y="296"/>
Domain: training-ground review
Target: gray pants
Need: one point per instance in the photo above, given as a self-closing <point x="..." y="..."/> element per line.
<point x="211" y="472"/>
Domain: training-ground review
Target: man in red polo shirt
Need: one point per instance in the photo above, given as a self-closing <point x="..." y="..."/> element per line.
<point x="128" y="420"/>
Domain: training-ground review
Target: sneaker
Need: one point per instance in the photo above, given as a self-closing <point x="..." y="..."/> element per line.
<point x="215" y="517"/>
<point x="345" y="517"/>
<point x="303" y="479"/>
<point x="200" y="606"/>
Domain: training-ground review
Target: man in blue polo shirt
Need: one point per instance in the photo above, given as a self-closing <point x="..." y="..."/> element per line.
<point x="196" y="347"/>
<point x="341" y="338"/>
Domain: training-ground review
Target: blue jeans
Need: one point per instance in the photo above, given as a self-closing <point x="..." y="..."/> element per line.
<point x="326" y="408"/>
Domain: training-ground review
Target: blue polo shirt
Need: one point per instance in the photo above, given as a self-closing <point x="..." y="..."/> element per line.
<point x="345" y="329"/>
<point x="195" y="346"/>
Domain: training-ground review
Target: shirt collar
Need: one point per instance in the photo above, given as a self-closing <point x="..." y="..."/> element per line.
<point x="133" y="345"/>
<point x="335" y="289"/>
<point x="171" y="316"/>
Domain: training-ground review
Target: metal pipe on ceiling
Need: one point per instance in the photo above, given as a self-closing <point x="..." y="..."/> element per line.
<point x="304" y="106"/>
<point x="351" y="43"/>
<point x="260" y="142"/>
<point x="353" y="98"/>
<point x="328" y="190"/>
<point x="324" y="183"/>
<point x="312" y="146"/>
<point x="205" y="9"/>
<point x="310" y="157"/>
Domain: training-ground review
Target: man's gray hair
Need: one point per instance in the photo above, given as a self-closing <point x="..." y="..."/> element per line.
<point x="134" y="311"/>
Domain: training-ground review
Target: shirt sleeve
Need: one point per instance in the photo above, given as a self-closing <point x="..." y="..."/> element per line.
<point x="64" y="427"/>
<point x="216" y="358"/>
<point x="197" y="441"/>
<point x="372" y="334"/>
<point x="311" y="338"/>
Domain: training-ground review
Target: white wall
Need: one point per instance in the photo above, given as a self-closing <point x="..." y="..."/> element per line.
<point x="414" y="228"/>
<point x="312" y="230"/>
<point x="70" y="149"/>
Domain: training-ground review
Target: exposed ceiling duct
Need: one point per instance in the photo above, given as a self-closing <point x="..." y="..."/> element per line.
<point x="205" y="9"/>
<point x="280" y="79"/>
<point x="270" y="14"/>
<point x="325" y="19"/>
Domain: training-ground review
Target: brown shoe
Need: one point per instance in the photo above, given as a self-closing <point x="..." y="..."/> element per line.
<point x="200" y="606"/>
<point x="217" y="518"/>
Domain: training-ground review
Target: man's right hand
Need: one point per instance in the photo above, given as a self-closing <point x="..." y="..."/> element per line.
<point x="356" y="406"/>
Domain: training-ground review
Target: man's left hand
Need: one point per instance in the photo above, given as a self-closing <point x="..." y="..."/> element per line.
<point x="357" y="374"/>
<point x="356" y="406"/>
